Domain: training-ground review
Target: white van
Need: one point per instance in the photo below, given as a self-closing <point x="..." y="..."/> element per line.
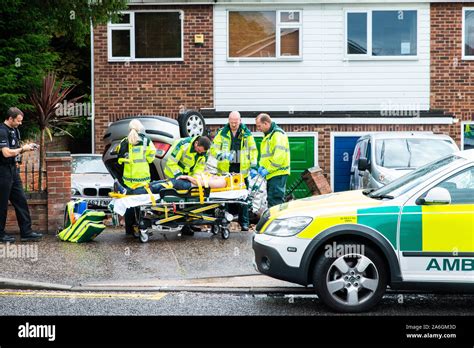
<point x="380" y="158"/>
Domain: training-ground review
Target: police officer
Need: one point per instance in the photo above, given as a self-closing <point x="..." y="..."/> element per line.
<point x="188" y="157"/>
<point x="274" y="159"/>
<point x="11" y="187"/>
<point x="236" y="152"/>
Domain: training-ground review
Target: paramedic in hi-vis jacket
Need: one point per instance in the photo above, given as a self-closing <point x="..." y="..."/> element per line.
<point x="188" y="157"/>
<point x="274" y="159"/>
<point x="236" y="152"/>
<point x="135" y="153"/>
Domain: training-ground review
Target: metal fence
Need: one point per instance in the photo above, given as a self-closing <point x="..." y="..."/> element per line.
<point x="29" y="174"/>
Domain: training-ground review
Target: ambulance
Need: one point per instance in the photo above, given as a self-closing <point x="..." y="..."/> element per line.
<point x="415" y="233"/>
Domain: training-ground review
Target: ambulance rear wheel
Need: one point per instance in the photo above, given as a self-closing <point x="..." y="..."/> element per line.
<point x="144" y="236"/>
<point x="225" y="233"/>
<point x="352" y="281"/>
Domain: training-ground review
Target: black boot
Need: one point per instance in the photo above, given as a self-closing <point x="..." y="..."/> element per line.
<point x="7" y="239"/>
<point x="32" y="236"/>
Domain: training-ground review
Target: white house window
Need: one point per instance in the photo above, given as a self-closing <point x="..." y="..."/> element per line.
<point x="381" y="33"/>
<point x="357" y="33"/>
<point x="274" y="35"/>
<point x="146" y="36"/>
<point x="468" y="33"/>
<point x="121" y="43"/>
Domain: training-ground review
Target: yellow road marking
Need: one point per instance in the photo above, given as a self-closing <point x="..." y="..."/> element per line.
<point x="75" y="295"/>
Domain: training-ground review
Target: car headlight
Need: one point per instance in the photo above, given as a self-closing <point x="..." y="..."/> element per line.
<point x="288" y="227"/>
<point x="75" y="192"/>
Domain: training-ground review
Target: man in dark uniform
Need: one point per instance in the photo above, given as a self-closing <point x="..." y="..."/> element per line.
<point x="11" y="187"/>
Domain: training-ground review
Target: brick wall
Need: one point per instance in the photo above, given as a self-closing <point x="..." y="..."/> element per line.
<point x="58" y="166"/>
<point x="158" y="88"/>
<point x="38" y="213"/>
<point x="452" y="83"/>
<point x="47" y="207"/>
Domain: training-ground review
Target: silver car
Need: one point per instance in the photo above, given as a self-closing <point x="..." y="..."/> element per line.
<point x="380" y="158"/>
<point x="90" y="180"/>
<point x="163" y="131"/>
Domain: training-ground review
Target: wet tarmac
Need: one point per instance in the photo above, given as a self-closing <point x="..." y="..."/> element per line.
<point x="113" y="256"/>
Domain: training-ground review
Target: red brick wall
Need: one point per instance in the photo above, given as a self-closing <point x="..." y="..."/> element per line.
<point x="58" y="166"/>
<point x="452" y="83"/>
<point x="158" y="88"/>
<point x="47" y="208"/>
<point x="38" y="213"/>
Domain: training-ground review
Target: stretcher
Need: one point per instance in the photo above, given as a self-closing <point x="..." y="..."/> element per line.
<point x="172" y="210"/>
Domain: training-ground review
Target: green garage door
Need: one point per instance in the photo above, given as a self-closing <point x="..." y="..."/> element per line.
<point x="302" y="158"/>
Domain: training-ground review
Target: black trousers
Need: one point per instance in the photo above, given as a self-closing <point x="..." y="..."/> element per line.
<point x="11" y="189"/>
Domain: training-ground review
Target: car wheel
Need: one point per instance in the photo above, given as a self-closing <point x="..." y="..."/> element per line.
<point x="350" y="282"/>
<point x="191" y="124"/>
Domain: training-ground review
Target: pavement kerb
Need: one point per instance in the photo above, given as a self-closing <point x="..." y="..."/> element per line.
<point x="250" y="290"/>
<point x="186" y="285"/>
<point x="7" y="283"/>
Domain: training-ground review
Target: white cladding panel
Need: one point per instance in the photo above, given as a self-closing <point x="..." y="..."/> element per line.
<point x="323" y="80"/>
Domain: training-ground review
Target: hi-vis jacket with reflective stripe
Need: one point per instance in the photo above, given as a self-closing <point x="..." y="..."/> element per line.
<point x="275" y="152"/>
<point x="136" y="159"/>
<point x="248" y="149"/>
<point x="184" y="159"/>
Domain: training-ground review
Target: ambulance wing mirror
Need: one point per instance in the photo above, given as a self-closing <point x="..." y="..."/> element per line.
<point x="436" y="196"/>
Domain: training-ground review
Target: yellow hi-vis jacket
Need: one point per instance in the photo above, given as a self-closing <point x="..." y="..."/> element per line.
<point x="275" y="152"/>
<point x="136" y="159"/>
<point x="184" y="160"/>
<point x="248" y="150"/>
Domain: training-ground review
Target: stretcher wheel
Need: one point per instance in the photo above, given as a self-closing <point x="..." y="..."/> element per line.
<point x="143" y="236"/>
<point x="225" y="233"/>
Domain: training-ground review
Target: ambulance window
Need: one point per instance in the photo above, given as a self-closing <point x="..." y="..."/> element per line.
<point x="460" y="187"/>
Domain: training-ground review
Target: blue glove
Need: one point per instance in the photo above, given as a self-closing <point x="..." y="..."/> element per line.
<point x="262" y="171"/>
<point x="253" y="173"/>
<point x="227" y="156"/>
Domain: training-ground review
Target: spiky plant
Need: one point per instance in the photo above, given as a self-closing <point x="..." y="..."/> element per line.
<point x="46" y="101"/>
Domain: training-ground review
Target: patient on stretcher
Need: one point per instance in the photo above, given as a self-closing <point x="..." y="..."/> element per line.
<point x="183" y="182"/>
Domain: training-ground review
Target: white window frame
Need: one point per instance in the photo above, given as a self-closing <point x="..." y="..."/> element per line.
<point x="464" y="56"/>
<point x="368" y="55"/>
<point x="278" y="26"/>
<point x="131" y="27"/>
<point x="369" y="28"/>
